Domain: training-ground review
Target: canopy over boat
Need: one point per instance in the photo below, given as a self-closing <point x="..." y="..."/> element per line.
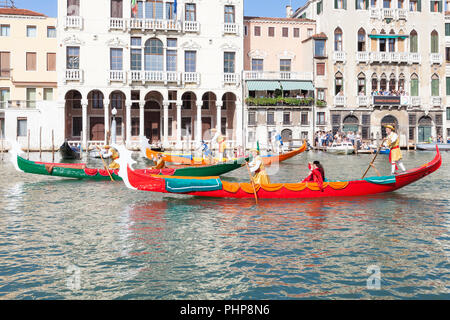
<point x="268" y="160"/>
<point x="216" y="187"/>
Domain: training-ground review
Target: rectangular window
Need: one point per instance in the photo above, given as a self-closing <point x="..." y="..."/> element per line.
<point x="22" y="127"/>
<point x="73" y="57"/>
<point x="116" y="58"/>
<point x="77" y="126"/>
<point x="51" y="61"/>
<point x="245" y="30"/>
<point x="286" y="118"/>
<point x="31" y="97"/>
<point x="304" y="119"/>
<point x="4" y="30"/>
<point x="191" y="14"/>
<point x="285" y="65"/>
<point x="309" y="32"/>
<point x="51" y="32"/>
<point x="136" y="42"/>
<point x="136" y="59"/>
<point x="447" y="86"/>
<point x="340" y="4"/>
<point x="31" y="31"/>
<point x="319" y="48"/>
<point x="73" y="7"/>
<point x="135" y="127"/>
<point x="257" y="64"/>
<point x="415" y="87"/>
<point x="447" y="29"/>
<point x="362" y="4"/>
<point x="223" y="126"/>
<point x="154" y="9"/>
<point x="116" y="9"/>
<point x="320" y="69"/>
<point x="48" y="94"/>
<point x="31" y="61"/>
<point x="171" y="60"/>
<point x="170" y="11"/>
<point x="436" y="6"/>
<point x="285" y="32"/>
<point x="319" y="7"/>
<point x="229" y="14"/>
<point x="415" y="5"/>
<point x="435" y="87"/>
<point x="270" y="118"/>
<point x="296" y="33"/>
<point x="448" y="113"/>
<point x="386" y="4"/>
<point x="4" y="97"/>
<point x="271" y="31"/>
<point x="5" y="67"/>
<point x="320" y="118"/>
<point x="257" y="31"/>
<point x="190" y="61"/>
<point x="252" y="118"/>
<point x="229" y="62"/>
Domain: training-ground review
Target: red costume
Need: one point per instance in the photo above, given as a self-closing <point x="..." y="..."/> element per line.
<point x="316" y="176"/>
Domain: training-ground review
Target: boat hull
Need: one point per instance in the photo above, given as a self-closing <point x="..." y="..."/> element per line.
<point x="432" y="146"/>
<point x="67" y="153"/>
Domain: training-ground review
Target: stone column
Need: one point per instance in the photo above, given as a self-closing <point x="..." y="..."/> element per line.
<point x="219" y="115"/>
<point x="239" y="110"/>
<point x="198" y="134"/>
<point x="179" y="104"/>
<point x="166" y="125"/>
<point x="141" y="118"/>
<point x="84" y="106"/>
<point x="128" y="123"/>
<point x="107" y="119"/>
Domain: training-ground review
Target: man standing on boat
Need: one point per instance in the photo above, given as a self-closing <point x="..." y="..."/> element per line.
<point x="257" y="167"/>
<point x="392" y="141"/>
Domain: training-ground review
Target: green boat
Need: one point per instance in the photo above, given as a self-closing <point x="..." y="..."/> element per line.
<point x="80" y="171"/>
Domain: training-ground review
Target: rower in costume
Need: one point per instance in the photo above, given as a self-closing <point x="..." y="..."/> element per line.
<point x="257" y="167"/>
<point x="317" y="174"/>
<point x="160" y="163"/>
<point x="392" y="141"/>
<point x="114" y="156"/>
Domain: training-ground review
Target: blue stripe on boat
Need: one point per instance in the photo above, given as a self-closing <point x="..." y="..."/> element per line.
<point x="381" y="180"/>
<point x="192" y="185"/>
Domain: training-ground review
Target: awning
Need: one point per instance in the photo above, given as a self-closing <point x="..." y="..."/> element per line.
<point x="388" y="36"/>
<point x="281" y="85"/>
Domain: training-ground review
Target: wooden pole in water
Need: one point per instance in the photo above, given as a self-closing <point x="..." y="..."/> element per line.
<point x="2" y="144"/>
<point x="253" y="184"/>
<point x="53" y="146"/>
<point x="28" y="146"/>
<point x="40" y="143"/>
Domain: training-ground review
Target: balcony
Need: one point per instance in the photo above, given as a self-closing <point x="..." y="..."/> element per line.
<point x="362" y="57"/>
<point x="155" y="76"/>
<point x="436" y="101"/>
<point x="415" y="101"/>
<point x="340" y="101"/>
<point x="277" y="75"/>
<point x="392" y="57"/>
<point x="363" y="101"/>
<point x="414" y="58"/>
<point x="191" y="77"/>
<point x="117" y="76"/>
<point x="435" y="58"/>
<point x="117" y="24"/>
<point x="231" y="78"/>
<point x="230" y="28"/>
<point x="191" y="26"/>
<point x="20" y="104"/>
<point x="388" y="14"/>
<point x="339" y="56"/>
<point x="73" y="22"/>
<point x="155" y="25"/>
<point x="73" y="75"/>
<point x="374" y="13"/>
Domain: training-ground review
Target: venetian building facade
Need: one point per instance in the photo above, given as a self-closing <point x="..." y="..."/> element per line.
<point x="28" y="80"/>
<point x="170" y="69"/>
<point x="277" y="63"/>
<point x="393" y="46"/>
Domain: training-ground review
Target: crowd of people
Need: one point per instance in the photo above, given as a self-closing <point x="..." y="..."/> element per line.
<point x="396" y="93"/>
<point x="326" y="138"/>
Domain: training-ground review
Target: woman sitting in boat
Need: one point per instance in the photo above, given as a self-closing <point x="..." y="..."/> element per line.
<point x="317" y="174"/>
<point x="257" y="167"/>
<point x="160" y="163"/>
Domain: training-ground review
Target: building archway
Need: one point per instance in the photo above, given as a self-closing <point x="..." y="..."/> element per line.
<point x="152" y="116"/>
<point x="209" y="105"/>
<point x="350" y="124"/>
<point x="425" y="129"/>
<point x="96" y="116"/>
<point x="388" y="120"/>
<point x="117" y="101"/>
<point x="286" y="135"/>
<point x="73" y="115"/>
<point x="227" y="122"/>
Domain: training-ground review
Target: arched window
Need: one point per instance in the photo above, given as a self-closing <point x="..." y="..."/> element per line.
<point x="361" y="40"/>
<point x="339" y="84"/>
<point x="383" y="82"/>
<point x="338" y="40"/>
<point x="435" y="85"/>
<point x="392" y="83"/>
<point x="434" y="42"/>
<point x="401" y="83"/>
<point x="154" y="52"/>
<point x="414" y="85"/>
<point x="361" y="84"/>
<point x="374" y="82"/>
<point x="391" y="42"/>
<point x="413" y="42"/>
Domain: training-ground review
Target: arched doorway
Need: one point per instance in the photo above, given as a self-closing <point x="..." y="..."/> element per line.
<point x="96" y="116"/>
<point x="227" y="122"/>
<point x="388" y="120"/>
<point x="286" y="135"/>
<point x="188" y="114"/>
<point x="117" y="101"/>
<point x="73" y="115"/>
<point x="425" y="127"/>
<point x="152" y="116"/>
<point x="350" y="124"/>
<point x="209" y="106"/>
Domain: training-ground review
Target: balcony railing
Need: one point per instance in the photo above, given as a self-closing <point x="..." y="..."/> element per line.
<point x="436" y="58"/>
<point x="117" y="76"/>
<point x="363" y="101"/>
<point x="74" y="22"/>
<point x="416" y="101"/>
<point x="339" y="56"/>
<point x="277" y="75"/>
<point x="155" y="76"/>
<point x="391" y="57"/>
<point x="73" y="75"/>
<point x="191" y="77"/>
<point x="388" y="13"/>
<point x="340" y="100"/>
<point x="21" y="104"/>
<point x="230" y="28"/>
<point x="362" y="57"/>
<point x="117" y="24"/>
<point x="191" y="26"/>
<point x="155" y="24"/>
<point x="231" y="78"/>
<point x="436" y="101"/>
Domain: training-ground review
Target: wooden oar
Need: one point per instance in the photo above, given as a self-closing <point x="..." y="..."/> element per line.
<point x="104" y="163"/>
<point x="373" y="160"/>
<point x="251" y="180"/>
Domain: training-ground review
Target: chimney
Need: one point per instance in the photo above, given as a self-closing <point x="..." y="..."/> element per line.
<point x="289" y="11"/>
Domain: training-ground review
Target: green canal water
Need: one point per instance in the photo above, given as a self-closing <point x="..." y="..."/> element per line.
<point x="69" y="239"/>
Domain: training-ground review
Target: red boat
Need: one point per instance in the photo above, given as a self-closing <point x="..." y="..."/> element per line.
<point x="215" y="187"/>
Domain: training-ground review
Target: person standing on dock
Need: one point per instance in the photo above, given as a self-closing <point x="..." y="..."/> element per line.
<point x="392" y="141"/>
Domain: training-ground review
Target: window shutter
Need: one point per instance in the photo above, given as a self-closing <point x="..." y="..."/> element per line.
<point x="435" y="87"/>
<point x="345" y="4"/>
<point x="367" y="4"/>
<point x="414" y="87"/>
<point x="5" y="64"/>
<point x="447" y="91"/>
<point x="51" y="61"/>
<point x="335" y="4"/>
<point x="440" y="6"/>
<point x="419" y="5"/>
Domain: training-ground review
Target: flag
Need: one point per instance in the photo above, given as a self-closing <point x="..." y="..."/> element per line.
<point x="257" y="146"/>
<point x="134" y="7"/>
<point x="175" y="7"/>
